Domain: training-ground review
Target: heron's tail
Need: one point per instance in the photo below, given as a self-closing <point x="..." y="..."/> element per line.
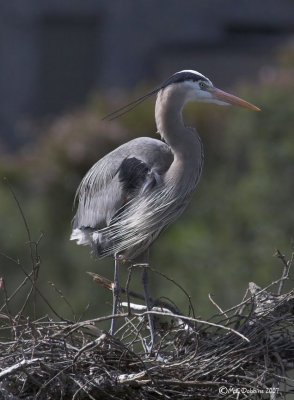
<point x="81" y="235"/>
<point x="89" y="237"/>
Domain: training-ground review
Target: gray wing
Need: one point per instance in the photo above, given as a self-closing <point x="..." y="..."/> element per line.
<point x="113" y="181"/>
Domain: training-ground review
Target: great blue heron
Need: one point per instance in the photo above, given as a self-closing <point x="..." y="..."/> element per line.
<point x="130" y="195"/>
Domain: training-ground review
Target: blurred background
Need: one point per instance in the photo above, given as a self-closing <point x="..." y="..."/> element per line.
<point x="63" y="65"/>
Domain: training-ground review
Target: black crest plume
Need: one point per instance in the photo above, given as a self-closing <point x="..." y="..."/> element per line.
<point x="178" y="77"/>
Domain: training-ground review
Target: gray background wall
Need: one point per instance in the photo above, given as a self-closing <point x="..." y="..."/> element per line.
<point x="54" y="53"/>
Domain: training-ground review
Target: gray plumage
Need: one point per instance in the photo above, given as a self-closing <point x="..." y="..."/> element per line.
<point x="131" y="194"/>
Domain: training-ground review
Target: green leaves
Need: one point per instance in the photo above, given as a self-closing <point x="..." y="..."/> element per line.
<point x="241" y="211"/>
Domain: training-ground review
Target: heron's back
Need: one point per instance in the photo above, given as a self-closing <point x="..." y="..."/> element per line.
<point x="101" y="194"/>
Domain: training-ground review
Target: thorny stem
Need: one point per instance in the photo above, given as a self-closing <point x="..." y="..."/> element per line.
<point x="179" y="286"/>
<point x="29" y="277"/>
<point x="286" y="269"/>
<point x="33" y="252"/>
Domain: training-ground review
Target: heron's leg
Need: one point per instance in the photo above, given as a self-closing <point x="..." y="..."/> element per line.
<point x="147" y="301"/>
<point x="115" y="291"/>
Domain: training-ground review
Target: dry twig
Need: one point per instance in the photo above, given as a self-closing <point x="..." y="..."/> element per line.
<point x="244" y="352"/>
<point x="45" y="359"/>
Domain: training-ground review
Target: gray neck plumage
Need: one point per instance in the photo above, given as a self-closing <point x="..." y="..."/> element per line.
<point x="169" y="121"/>
<point x="183" y="141"/>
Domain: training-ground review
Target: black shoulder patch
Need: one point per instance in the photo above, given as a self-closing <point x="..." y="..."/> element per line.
<point x="132" y="173"/>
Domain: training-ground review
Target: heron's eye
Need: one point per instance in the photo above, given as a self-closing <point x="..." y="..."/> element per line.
<point x="202" y="85"/>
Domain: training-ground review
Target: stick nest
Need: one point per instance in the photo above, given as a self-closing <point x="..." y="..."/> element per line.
<point x="244" y="352"/>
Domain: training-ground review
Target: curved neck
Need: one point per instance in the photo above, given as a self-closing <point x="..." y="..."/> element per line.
<point x="184" y="142"/>
<point x="169" y="121"/>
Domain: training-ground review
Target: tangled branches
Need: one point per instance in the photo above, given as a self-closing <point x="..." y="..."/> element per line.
<point x="243" y="352"/>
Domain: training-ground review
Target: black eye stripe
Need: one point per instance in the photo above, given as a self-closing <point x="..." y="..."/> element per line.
<point x="183" y="77"/>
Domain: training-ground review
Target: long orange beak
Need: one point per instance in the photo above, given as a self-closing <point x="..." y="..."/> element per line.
<point x="230" y="99"/>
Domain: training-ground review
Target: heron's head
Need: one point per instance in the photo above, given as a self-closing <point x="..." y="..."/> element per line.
<point x="192" y="86"/>
<point x="196" y="87"/>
